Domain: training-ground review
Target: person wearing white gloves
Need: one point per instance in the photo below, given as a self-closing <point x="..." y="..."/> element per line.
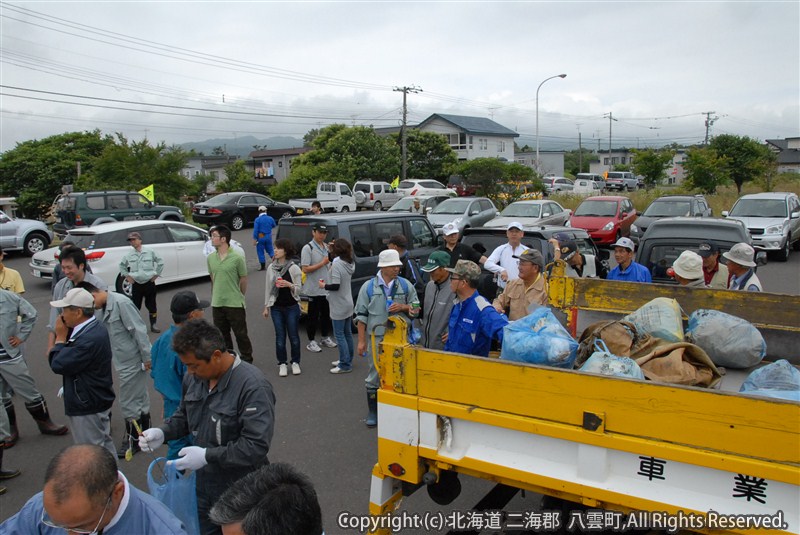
<point x="228" y="406"/>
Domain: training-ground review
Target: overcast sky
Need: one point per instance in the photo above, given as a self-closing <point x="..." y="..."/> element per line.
<point x="282" y="68"/>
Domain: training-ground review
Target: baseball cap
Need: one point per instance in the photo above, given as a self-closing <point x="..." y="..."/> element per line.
<point x="437" y="259"/>
<point x="186" y="301"/>
<point x="134" y="236"/>
<point x="533" y="256"/>
<point x="689" y="265"/>
<point x="706" y="249"/>
<point x="515" y="224"/>
<point x="320" y="227"/>
<point x="566" y="245"/>
<point x="627" y="243"/>
<point x="466" y="269"/>
<point x="450" y="228"/>
<point x="76" y="297"/>
<point x="741" y="254"/>
<point x="389" y="258"/>
<point x="262" y="208"/>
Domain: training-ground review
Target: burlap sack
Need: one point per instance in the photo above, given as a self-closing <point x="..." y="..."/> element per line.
<point x="619" y="337"/>
<point x="679" y="363"/>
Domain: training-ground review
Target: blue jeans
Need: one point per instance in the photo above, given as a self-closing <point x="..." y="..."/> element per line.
<point x="343" y="331"/>
<point x="286" y="321"/>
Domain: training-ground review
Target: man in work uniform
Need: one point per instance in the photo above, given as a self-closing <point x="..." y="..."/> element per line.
<point x="141" y="267"/>
<point x="130" y="350"/>
<point x="627" y="270"/>
<point x="229" y="408"/>
<point x="262" y="236"/>
<point x="740" y="267"/>
<point x="529" y="290"/>
<point x="14" y="373"/>
<point x="438" y="302"/>
<point x="474" y="322"/>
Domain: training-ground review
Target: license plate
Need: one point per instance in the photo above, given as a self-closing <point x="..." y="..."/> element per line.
<point x="300" y="211"/>
<point x="36" y="273"/>
<point x="202" y="212"/>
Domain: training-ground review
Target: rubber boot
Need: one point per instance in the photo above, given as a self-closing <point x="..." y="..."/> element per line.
<point x="42" y="418"/>
<point x="12" y="422"/>
<point x="372" y="407"/>
<point x="263" y="266"/>
<point x="7" y="474"/>
<point x="153" y="318"/>
<point x="130" y="441"/>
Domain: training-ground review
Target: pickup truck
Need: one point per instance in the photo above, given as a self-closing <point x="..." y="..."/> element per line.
<point x="588" y="442"/>
<point x="621" y="180"/>
<point x="332" y="196"/>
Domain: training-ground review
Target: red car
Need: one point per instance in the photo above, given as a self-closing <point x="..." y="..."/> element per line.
<point x="606" y="219"/>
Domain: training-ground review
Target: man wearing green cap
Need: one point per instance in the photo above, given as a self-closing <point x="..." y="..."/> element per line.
<point x="474" y="322"/>
<point x="438" y="301"/>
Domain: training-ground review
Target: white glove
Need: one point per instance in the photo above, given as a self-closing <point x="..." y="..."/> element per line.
<point x="150" y="439"/>
<point x="191" y="458"/>
<point x="60" y="392"/>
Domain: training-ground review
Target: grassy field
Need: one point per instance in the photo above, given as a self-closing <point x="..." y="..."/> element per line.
<point x="722" y="200"/>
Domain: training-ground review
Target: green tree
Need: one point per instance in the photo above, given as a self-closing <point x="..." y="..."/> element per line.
<point x="35" y="170"/>
<point x="308" y="138"/>
<point x="429" y="156"/>
<point x="746" y="159"/>
<point x="705" y="170"/>
<point x="496" y="179"/>
<point x="199" y="184"/>
<point x="239" y="178"/>
<point x="341" y="154"/>
<point x="577" y="161"/>
<point x="651" y="164"/>
<point x="133" y="166"/>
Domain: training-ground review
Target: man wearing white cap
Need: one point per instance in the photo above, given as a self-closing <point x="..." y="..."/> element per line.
<point x="456" y="249"/>
<point x="82" y="356"/>
<point x="262" y="236"/>
<point x="627" y="270"/>
<point x="740" y="267"/>
<point x="383" y="295"/>
<point x="688" y="268"/>
<point x="504" y="261"/>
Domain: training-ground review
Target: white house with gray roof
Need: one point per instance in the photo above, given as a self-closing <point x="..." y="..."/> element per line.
<point x="472" y="137"/>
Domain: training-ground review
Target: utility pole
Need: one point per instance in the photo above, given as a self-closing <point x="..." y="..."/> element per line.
<point x="610" y="118"/>
<point x="580" y="154"/>
<point x="404" y="163"/>
<point x="709" y="122"/>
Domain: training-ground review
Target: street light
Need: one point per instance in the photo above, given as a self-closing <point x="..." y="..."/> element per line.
<point x="537" y="115"/>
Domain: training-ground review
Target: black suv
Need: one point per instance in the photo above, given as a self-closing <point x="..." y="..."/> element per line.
<point x="368" y="233"/>
<point x="485" y="240"/>
<point x="670" y="206"/>
<point x="86" y="208"/>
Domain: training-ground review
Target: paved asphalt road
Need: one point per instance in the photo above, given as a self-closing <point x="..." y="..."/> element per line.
<point x="319" y="425"/>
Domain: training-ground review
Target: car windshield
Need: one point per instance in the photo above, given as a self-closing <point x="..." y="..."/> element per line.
<point x="224" y="198"/>
<point x="521" y="210"/>
<point x="453" y="206"/>
<point x="597" y="209"/>
<point x="667" y="209"/>
<point x="362" y="187"/>
<point x="759" y="208"/>
<point x="615" y="175"/>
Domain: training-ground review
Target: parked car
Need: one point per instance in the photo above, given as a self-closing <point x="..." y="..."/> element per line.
<point x="606" y="219"/>
<point x="667" y="238"/>
<point x="179" y="244"/>
<point x="464" y="212"/>
<point x="594" y="177"/>
<point x="621" y="180"/>
<point x="428" y="202"/>
<point x="670" y="206"/>
<point x="26" y="235"/>
<point x="376" y="196"/>
<point x="87" y="208"/>
<point x="583" y="187"/>
<point x="237" y="209"/>
<point x="332" y="197"/>
<point x="553" y="184"/>
<point x="485" y="240"/>
<point x="531" y="214"/>
<point x="462" y="188"/>
<point x="369" y="233"/>
<point x="424" y="187"/>
<point x="773" y="220"/>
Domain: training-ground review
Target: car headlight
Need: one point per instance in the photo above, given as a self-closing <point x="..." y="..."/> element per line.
<point x="774" y="229"/>
<point x="608" y="226"/>
<point x="458" y="220"/>
<point x="634" y="229"/>
<point x="567" y="224"/>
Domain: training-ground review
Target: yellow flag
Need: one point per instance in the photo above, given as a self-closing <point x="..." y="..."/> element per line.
<point x="396" y="182"/>
<point x="148" y="193"/>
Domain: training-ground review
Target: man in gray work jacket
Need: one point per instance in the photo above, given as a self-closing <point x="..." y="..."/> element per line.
<point x="130" y="351"/>
<point x="228" y="406"/>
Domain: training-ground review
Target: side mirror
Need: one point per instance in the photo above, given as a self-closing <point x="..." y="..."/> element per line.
<point x="761" y="258"/>
<point x="795" y="215"/>
<point x="725" y="213"/>
<point x="4" y="219"/>
<point x="623" y="215"/>
<point x="638" y="213"/>
<point x="603" y="254"/>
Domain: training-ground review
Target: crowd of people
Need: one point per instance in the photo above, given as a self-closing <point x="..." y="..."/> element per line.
<point x="219" y="408"/>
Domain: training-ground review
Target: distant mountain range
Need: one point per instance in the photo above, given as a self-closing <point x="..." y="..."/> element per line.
<point x="242" y="146"/>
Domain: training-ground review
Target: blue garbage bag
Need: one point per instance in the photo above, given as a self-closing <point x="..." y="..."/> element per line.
<point x="729" y="340"/>
<point x="778" y="380"/>
<point x="539" y="338"/>
<point x="175" y="490"/>
<point x="604" y="362"/>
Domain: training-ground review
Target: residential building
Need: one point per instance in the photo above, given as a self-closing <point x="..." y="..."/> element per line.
<point x="208" y="165"/>
<point x="788" y="153"/>
<point x="272" y="166"/>
<point x="472" y="137"/>
<point x="552" y="161"/>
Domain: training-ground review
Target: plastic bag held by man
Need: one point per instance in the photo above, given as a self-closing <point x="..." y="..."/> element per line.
<point x="728" y="340"/>
<point x="539" y="338"/>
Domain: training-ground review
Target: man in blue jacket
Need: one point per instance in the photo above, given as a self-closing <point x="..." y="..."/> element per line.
<point x="627" y="270"/>
<point x="262" y="236"/>
<point x="82" y="355"/>
<point x="474" y="322"/>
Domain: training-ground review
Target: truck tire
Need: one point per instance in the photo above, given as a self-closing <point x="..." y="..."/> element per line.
<point x="237" y="222"/>
<point x="123" y="286"/>
<point x="783" y="254"/>
<point x="360" y="197"/>
<point x="345" y="209"/>
<point x="377" y="206"/>
<point x="35" y="242"/>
